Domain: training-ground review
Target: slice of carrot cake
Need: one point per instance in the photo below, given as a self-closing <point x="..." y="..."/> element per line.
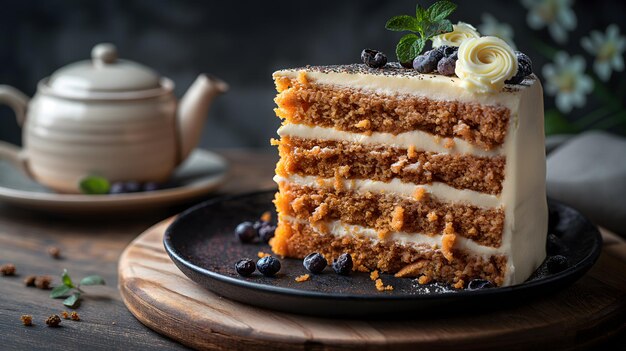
<point x="413" y="173"/>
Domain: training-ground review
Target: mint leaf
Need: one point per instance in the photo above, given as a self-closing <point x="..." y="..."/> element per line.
<point x="66" y="279"/>
<point x="94" y="185"/>
<point x="400" y="23"/>
<point x="72" y="301"/>
<point x="404" y="49"/>
<point x="92" y="280"/>
<point x="60" y="291"/>
<point x="426" y="24"/>
<point x="437" y="28"/>
<point x="420" y="13"/>
<point x="440" y="10"/>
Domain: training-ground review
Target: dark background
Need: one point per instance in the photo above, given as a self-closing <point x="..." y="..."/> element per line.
<point x="241" y="42"/>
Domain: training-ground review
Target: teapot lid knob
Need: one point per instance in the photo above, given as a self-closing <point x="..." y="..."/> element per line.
<point x="104" y="53"/>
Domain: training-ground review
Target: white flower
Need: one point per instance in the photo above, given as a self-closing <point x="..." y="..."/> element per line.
<point x="567" y="80"/>
<point x="608" y="50"/>
<point x="491" y="26"/>
<point x="557" y="15"/>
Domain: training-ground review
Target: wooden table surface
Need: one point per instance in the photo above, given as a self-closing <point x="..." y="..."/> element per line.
<point x="93" y="246"/>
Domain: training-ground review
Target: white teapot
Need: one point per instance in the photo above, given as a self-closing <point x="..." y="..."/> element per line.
<point x="108" y="117"/>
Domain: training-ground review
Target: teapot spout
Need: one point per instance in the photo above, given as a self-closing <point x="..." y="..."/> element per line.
<point x="193" y="109"/>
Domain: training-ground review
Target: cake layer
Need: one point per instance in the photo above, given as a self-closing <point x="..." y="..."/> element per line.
<point x="296" y="239"/>
<point x="323" y="158"/>
<point x="418" y="139"/>
<point x="351" y="109"/>
<point x="389" y="213"/>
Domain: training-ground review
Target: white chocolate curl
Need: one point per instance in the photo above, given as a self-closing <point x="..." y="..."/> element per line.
<point x="461" y="32"/>
<point x="485" y="63"/>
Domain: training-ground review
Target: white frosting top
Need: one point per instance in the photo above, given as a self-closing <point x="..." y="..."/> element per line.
<point x="485" y="63"/>
<point x="460" y="32"/>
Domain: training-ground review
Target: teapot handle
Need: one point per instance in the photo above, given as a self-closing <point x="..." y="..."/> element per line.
<point x="18" y="102"/>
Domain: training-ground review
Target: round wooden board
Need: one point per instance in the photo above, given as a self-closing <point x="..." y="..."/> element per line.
<point x="164" y="299"/>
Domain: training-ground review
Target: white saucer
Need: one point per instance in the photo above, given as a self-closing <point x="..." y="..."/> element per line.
<point x="201" y="173"/>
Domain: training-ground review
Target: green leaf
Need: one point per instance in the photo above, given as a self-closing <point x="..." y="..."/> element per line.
<point x="66" y="279"/>
<point x="92" y="280"/>
<point x="440" y="10"/>
<point x="60" y="291"/>
<point x="400" y="23"/>
<point x="72" y="301"/>
<point x="420" y="13"/>
<point x="443" y="26"/>
<point x="405" y="48"/>
<point x="94" y="185"/>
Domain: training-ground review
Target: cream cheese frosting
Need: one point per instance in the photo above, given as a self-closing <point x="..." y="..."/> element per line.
<point x="460" y="32"/>
<point x="485" y="63"/>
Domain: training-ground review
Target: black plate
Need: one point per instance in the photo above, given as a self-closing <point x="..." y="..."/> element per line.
<point x="201" y="243"/>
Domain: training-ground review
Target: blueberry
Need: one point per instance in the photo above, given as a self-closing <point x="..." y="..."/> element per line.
<point x="408" y="64"/>
<point x="557" y="263"/>
<point x="477" y="284"/>
<point x="427" y="62"/>
<point x="553" y="244"/>
<point x="132" y="186"/>
<point x="245" y="232"/>
<point x="524" y="68"/>
<point x="245" y="267"/>
<point x="315" y="262"/>
<point x="343" y="264"/>
<point x="268" y="265"/>
<point x="447" y="51"/>
<point x="446" y="66"/>
<point x="151" y="186"/>
<point x="266" y="232"/>
<point x="117" y="188"/>
<point x="373" y="58"/>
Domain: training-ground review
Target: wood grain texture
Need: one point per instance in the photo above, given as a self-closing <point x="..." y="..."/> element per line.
<point x="91" y="245"/>
<point x="589" y="313"/>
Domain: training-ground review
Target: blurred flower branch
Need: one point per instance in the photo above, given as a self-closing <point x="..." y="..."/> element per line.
<point x="567" y="77"/>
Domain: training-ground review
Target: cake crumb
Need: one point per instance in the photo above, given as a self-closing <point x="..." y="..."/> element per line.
<point x="380" y="286"/>
<point x="460" y="284"/>
<point x="447" y="241"/>
<point x="320" y="212"/>
<point x="374" y="275"/>
<point x="30" y="280"/>
<point x="424" y="280"/>
<point x="302" y="78"/>
<point x="383" y="234"/>
<point x="412" y="270"/>
<point x="7" y="269"/>
<point x="43" y="282"/>
<point x="65" y="315"/>
<point x="419" y="194"/>
<point x="266" y="216"/>
<point x="303" y="278"/>
<point x="397" y="218"/>
<point x="448" y="143"/>
<point x="412" y="151"/>
<point x="432" y="216"/>
<point x="274" y="142"/>
<point x="364" y="124"/>
<point x="53" y="321"/>
<point x="54" y="252"/>
<point x="262" y="254"/>
<point x="27" y="320"/>
<point x="74" y="316"/>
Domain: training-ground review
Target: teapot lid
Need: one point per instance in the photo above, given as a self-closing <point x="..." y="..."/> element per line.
<point x="104" y="73"/>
